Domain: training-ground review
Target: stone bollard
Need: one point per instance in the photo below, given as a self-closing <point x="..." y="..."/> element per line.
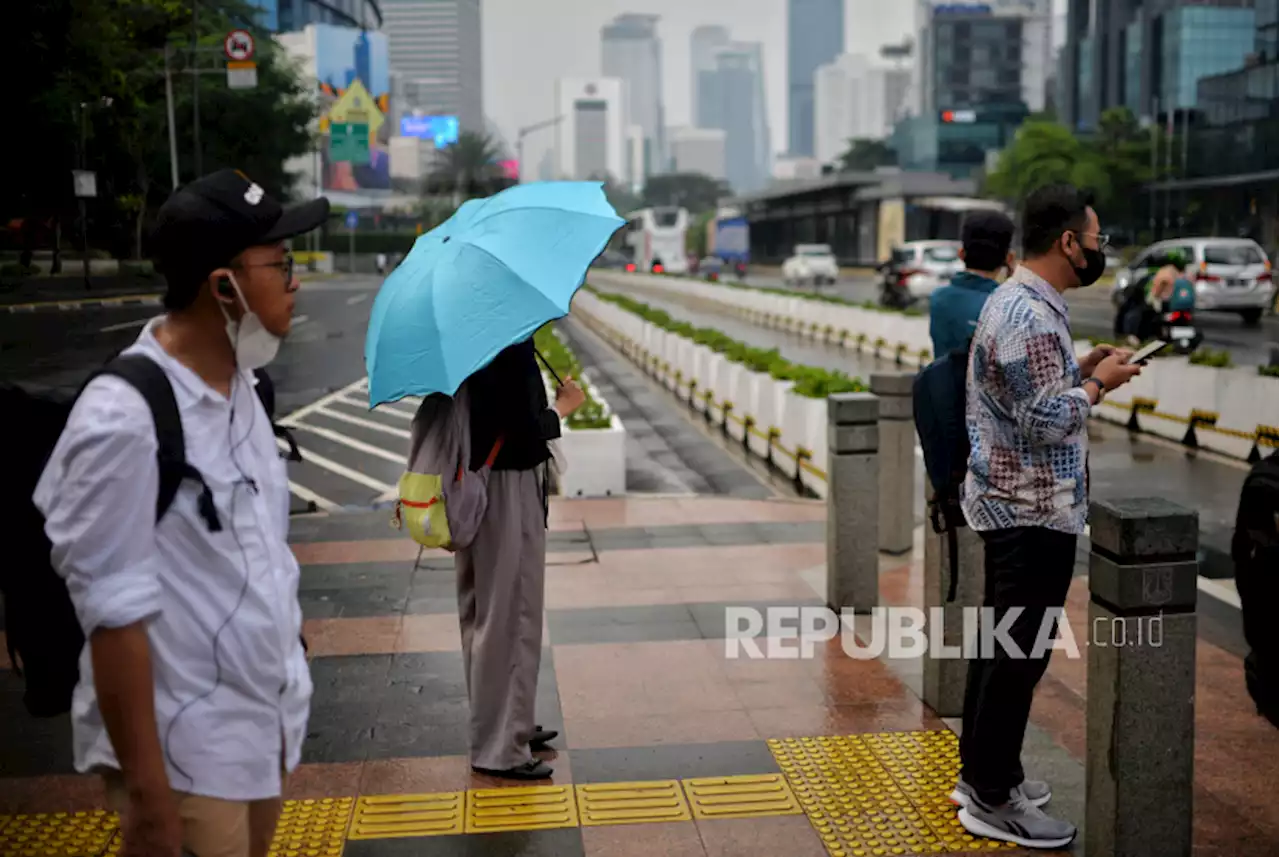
<point x="897" y="453"/>
<point x="944" y="678"/>
<point x="853" y="506"/>
<point x="1140" y="721"/>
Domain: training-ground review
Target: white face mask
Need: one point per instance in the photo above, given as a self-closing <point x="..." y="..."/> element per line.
<point x="254" y="345"/>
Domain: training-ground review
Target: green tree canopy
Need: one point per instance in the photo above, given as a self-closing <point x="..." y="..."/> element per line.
<point x="695" y="191"/>
<point x="108" y="55"/>
<point x="865" y="155"/>
<point x="1113" y="163"/>
<point x="468" y="168"/>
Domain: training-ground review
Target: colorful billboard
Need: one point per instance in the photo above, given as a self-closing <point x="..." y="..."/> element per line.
<point x="443" y="130"/>
<point x="352" y="71"/>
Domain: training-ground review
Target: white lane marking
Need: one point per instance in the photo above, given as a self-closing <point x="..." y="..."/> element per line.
<point x="364" y="405"/>
<point x="329" y="413"/>
<point x="355" y="299"/>
<point x="1219" y="590"/>
<point x="124" y="325"/>
<point x="299" y="319"/>
<point x="310" y="496"/>
<point x="359" y="446"/>
<point x="344" y="471"/>
<point x="319" y="403"/>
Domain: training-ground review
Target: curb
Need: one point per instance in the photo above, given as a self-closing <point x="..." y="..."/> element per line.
<point x="83" y="303"/>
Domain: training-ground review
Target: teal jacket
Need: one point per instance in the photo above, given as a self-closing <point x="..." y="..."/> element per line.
<point x="954" y="311"/>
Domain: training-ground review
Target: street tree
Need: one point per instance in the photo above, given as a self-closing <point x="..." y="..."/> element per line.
<point x="468" y="168"/>
<point x="92" y="92"/>
<point x="696" y="192"/>
<point x="865" y="155"/>
<point x="1044" y="153"/>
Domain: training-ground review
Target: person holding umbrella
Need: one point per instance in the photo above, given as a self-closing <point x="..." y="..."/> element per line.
<point x="502" y="574"/>
<point x="461" y="310"/>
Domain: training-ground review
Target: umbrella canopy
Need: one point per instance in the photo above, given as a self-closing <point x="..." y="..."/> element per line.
<point x="486" y="278"/>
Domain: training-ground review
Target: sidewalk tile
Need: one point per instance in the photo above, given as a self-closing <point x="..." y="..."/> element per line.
<point x="430" y="633"/>
<point x="672" y="839"/>
<point x="658" y="729"/>
<point x="351" y="636"/>
<point x="896" y="716"/>
<point x="561" y="842"/>
<point x="324" y="780"/>
<point x="760" y="837"/>
<point x="675" y="761"/>
<point x="51" y="793"/>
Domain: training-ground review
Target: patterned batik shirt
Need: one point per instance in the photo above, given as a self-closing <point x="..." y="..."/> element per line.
<point x="1026" y="414"/>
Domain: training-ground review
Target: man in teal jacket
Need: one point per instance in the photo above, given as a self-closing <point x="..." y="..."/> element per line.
<point x="954" y="309"/>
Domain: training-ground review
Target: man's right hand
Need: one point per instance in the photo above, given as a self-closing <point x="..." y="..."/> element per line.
<point x="1113" y="371"/>
<point x="151" y="827"/>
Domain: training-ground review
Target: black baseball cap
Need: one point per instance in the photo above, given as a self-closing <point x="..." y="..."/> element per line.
<point x="207" y="223"/>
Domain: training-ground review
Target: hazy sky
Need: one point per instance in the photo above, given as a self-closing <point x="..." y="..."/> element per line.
<point x="530" y="43"/>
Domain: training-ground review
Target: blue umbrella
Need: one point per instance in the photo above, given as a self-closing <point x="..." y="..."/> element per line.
<point x="486" y="278"/>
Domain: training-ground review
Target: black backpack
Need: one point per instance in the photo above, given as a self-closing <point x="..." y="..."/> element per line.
<point x="938" y="402"/>
<point x="42" y="631"/>
<point x="1255" y="554"/>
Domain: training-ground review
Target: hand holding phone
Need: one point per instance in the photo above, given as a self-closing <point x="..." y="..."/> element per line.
<point x="1142" y="355"/>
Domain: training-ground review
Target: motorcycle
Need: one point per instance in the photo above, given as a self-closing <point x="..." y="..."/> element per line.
<point x="741" y="270"/>
<point x="1178" y="328"/>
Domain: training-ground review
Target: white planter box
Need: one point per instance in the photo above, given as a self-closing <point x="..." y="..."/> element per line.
<point x="595" y="460"/>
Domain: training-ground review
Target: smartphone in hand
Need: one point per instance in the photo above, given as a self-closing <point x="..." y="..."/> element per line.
<point x="1142" y="355"/>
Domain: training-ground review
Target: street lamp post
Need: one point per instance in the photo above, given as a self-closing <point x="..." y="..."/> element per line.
<point x="525" y="132"/>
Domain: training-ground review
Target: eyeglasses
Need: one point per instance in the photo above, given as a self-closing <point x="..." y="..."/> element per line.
<point x="286" y="266"/>
<point x="1104" y="240"/>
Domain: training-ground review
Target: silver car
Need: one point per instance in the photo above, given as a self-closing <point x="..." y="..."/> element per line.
<point x="1230" y="274"/>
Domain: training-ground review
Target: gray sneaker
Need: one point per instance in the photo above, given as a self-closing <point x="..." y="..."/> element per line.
<point x="1035" y="791"/>
<point x="1016" y="821"/>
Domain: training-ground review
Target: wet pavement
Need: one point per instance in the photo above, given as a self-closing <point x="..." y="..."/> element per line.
<point x="1121" y="464"/>
<point x="668" y="745"/>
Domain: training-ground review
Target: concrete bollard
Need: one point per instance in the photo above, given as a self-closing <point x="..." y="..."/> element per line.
<point x="1140" y="721"/>
<point x="897" y="453"/>
<point x="944" y="678"/>
<point x="853" y="506"/>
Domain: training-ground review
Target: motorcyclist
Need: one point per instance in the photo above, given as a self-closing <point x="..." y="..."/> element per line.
<point x="1146" y="301"/>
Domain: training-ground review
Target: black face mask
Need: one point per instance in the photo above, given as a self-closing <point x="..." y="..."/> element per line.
<point x="1095" y="262"/>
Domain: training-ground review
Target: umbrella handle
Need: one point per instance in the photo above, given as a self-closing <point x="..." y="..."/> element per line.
<point x="559" y="383"/>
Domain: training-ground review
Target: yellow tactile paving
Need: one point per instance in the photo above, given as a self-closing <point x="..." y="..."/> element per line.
<point x="392" y="816"/>
<point x="531" y="808"/>
<point x="741" y="796"/>
<point x="59" y="834"/>
<point x="631" y="803"/>
<point x="312" y="828"/>
<point x="879" y="794"/>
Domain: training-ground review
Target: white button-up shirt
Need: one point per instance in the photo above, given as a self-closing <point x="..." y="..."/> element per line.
<point x="232" y="686"/>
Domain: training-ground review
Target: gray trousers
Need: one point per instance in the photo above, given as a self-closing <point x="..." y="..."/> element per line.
<point x="501" y="583"/>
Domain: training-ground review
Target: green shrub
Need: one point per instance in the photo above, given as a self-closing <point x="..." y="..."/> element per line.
<point x="1214" y="359"/>
<point x="809" y="381"/>
<point x="591" y="415"/>
<point x="1269" y="371"/>
<point x="11" y="270"/>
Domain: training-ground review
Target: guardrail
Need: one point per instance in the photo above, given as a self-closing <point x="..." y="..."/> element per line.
<point x="1229" y="411"/>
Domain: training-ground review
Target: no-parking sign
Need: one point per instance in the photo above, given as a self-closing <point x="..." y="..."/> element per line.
<point x="238" y="46"/>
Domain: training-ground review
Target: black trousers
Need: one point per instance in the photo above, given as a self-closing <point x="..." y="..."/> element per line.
<point x="1029" y="568"/>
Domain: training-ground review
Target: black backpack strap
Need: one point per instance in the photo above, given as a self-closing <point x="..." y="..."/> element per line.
<point x="149" y="379"/>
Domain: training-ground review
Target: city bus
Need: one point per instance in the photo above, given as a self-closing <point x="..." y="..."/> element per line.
<point x="653" y="239"/>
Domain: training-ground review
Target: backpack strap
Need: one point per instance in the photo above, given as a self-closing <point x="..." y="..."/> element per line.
<point x="149" y="379"/>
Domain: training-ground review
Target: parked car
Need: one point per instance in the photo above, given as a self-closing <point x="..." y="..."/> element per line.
<point x="811" y="264"/>
<point x="916" y="269"/>
<point x="1230" y="274"/>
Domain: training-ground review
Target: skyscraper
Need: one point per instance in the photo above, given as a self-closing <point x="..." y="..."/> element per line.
<point x="734" y="102"/>
<point x="435" y="51"/>
<point x="815" y="37"/>
<point x="855" y="99"/>
<point x="631" y="51"/>
<point x="703" y="45"/>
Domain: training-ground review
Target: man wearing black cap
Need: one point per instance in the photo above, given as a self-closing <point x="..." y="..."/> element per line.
<point x="954" y="309"/>
<point x="194" y="689"/>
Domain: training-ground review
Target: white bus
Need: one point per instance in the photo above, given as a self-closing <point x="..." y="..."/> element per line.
<point x="653" y="239"/>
